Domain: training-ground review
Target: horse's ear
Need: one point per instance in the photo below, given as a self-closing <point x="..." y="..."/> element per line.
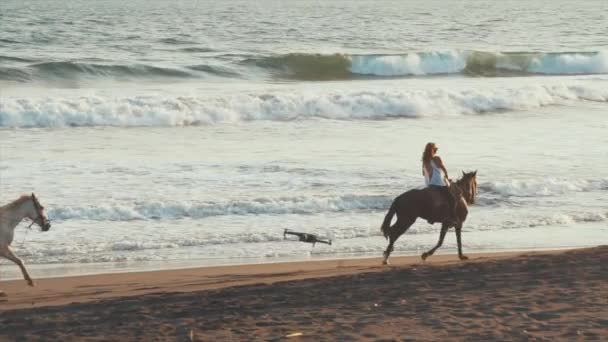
<point x="475" y="173"/>
<point x="33" y="196"/>
<point x="463" y="174"/>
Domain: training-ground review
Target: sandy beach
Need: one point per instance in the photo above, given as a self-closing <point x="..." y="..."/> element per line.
<point x="556" y="295"/>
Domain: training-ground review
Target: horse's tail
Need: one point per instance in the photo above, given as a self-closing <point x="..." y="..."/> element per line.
<point x="388" y="218"/>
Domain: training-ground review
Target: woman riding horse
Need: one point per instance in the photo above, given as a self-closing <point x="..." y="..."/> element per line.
<point x="432" y="205"/>
<point x="436" y="175"/>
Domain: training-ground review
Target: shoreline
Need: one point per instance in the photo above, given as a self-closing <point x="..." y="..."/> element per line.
<point x="10" y="271"/>
<point x="550" y="295"/>
<point x="68" y="288"/>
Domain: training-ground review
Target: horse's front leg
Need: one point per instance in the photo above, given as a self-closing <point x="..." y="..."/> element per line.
<point x="444" y="229"/>
<point x="8" y="253"/>
<point x="458" y="239"/>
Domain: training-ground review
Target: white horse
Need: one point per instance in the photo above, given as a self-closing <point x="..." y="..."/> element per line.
<point x="10" y="216"/>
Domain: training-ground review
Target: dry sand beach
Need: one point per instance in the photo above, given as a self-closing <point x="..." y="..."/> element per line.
<point x="557" y="295"/>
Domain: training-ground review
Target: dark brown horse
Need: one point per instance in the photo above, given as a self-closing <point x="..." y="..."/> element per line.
<point x="431" y="205"/>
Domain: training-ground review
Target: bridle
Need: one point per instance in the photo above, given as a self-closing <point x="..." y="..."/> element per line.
<point x="39" y="216"/>
<point x="471" y="188"/>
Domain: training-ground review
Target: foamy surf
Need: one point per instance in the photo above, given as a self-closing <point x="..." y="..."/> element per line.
<point x="492" y="194"/>
<point x="300" y="205"/>
<point x="167" y="111"/>
<point x="478" y="63"/>
<point x="206" y="243"/>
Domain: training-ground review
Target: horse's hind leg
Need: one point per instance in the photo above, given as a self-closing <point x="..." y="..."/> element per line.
<point x="7" y="253"/>
<point x="458" y="231"/>
<point x="444" y="229"/>
<point x="395" y="231"/>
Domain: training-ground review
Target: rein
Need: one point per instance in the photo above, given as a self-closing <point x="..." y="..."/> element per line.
<point x="39" y="216"/>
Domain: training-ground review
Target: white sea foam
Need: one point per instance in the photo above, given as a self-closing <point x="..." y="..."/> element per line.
<point x="193" y="244"/>
<point x="564" y="219"/>
<point x="574" y="63"/>
<point x="545" y="187"/>
<point x="447" y="62"/>
<point x="284" y="106"/>
<point x="480" y="63"/>
<point x="305" y="205"/>
<point x="259" y="206"/>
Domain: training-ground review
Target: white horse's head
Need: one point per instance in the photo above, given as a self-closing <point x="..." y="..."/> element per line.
<point x="35" y="212"/>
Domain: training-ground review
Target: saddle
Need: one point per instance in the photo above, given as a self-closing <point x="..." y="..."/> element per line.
<point x="441" y="200"/>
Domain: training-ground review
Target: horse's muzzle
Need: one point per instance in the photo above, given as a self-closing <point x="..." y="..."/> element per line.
<point x="46" y="226"/>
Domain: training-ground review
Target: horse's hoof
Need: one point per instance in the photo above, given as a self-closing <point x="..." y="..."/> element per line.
<point x="424" y="256"/>
<point x="2" y="294"/>
<point x="464" y="257"/>
<point x="30" y="282"/>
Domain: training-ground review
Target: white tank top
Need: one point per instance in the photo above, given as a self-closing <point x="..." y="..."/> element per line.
<point x="437" y="176"/>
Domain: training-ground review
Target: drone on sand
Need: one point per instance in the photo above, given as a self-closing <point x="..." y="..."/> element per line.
<point x="306" y="237"/>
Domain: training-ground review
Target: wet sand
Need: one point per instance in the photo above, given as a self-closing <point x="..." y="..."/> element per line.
<point x="558" y="295"/>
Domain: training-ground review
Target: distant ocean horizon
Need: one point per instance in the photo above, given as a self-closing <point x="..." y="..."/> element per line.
<point x="194" y="132"/>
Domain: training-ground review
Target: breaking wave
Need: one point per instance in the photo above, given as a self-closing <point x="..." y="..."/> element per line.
<point x="72" y="70"/>
<point x="470" y="63"/>
<point x="542" y="188"/>
<point x="303" y="205"/>
<point x="260" y="206"/>
<point x="142" y="246"/>
<point x="284" y="106"/>
<point x="319" y="67"/>
<point x="57" y="71"/>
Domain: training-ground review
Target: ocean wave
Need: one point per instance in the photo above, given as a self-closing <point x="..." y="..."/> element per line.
<point x="491" y="194"/>
<point x="472" y="63"/>
<point x="320" y="67"/>
<point x="542" y="220"/>
<point x="84" y="70"/>
<point x="311" y="67"/>
<point x="214" y="70"/>
<point x="227" y="244"/>
<point x="195" y="49"/>
<point x="72" y="70"/>
<point x="259" y="206"/>
<point x="15" y="59"/>
<point x="9" y="41"/>
<point x="542" y="188"/>
<point x="284" y="106"/>
<point x="562" y="219"/>
<point x="176" y="41"/>
<point x="14" y="74"/>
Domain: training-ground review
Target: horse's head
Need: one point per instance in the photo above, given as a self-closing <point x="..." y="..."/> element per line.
<point x="38" y="215"/>
<point x="468" y="185"/>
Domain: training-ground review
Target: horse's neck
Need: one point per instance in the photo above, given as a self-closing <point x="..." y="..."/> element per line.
<point x="12" y="214"/>
<point x="463" y="187"/>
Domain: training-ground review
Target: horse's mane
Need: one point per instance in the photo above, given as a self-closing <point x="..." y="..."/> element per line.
<point x="17" y="202"/>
